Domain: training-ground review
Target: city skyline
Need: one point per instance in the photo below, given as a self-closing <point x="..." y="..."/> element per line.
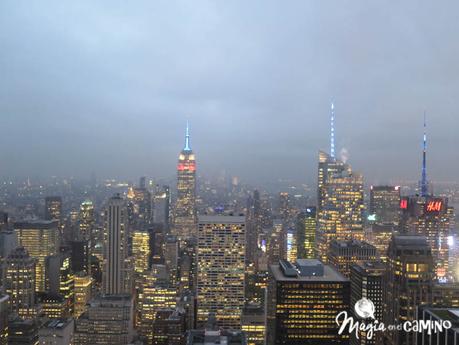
<point x="256" y="89"/>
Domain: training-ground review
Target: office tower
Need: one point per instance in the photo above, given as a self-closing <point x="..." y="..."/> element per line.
<point x="285" y="211"/>
<point x="41" y="239"/>
<point x="171" y="257"/>
<point x="445" y="295"/>
<point x="108" y="320"/>
<point x="22" y="332"/>
<point x="385" y="204"/>
<point x="303" y="301"/>
<point x="56" y="332"/>
<point x="60" y="279"/>
<point x="276" y="249"/>
<point x="20" y="282"/>
<point x="438" y="317"/>
<point x="87" y="222"/>
<point x="83" y="293"/>
<point x="155" y="295"/>
<point x="429" y="217"/>
<point x="53" y="208"/>
<point x="306" y="224"/>
<point x="221" y="258"/>
<point x="139" y="207"/>
<point x="169" y="327"/>
<point x="380" y="237"/>
<point x="3" y="220"/>
<point x="8" y="242"/>
<point x="367" y="282"/>
<point x="340" y="204"/>
<point x="4" y="312"/>
<point x="185" y="207"/>
<point x="342" y="254"/>
<point x="187" y="266"/>
<point x="80" y="256"/>
<point x="254" y="227"/>
<point x="115" y="251"/>
<point x="53" y="306"/>
<point x="253" y="324"/>
<point x="291" y="244"/>
<point x="211" y="334"/>
<point x="408" y="282"/>
<point x="141" y="250"/>
<point x="161" y="211"/>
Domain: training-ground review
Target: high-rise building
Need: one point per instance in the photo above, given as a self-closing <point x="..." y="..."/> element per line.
<point x="53" y="208"/>
<point x="408" y="284"/>
<point x="429" y="217"/>
<point x="20" y="282"/>
<point x="115" y="252"/>
<point x="41" y="239"/>
<point x="253" y="324"/>
<point x="211" y="334"/>
<point x="141" y="250"/>
<point x="342" y="254"/>
<point x="155" y="294"/>
<point x="275" y="248"/>
<point x="83" y="293"/>
<point x="161" y="211"/>
<point x="303" y="302"/>
<point x="87" y="222"/>
<point x="380" y="237"/>
<point x="185" y="207"/>
<point x="385" y="204"/>
<point x="23" y="332"/>
<point x="306" y="225"/>
<point x="56" y="332"/>
<point x="367" y="282"/>
<point x="438" y="317"/>
<point x="4" y="312"/>
<point x="340" y="203"/>
<point x="171" y="257"/>
<point x="169" y="327"/>
<point x="221" y="268"/>
<point x="139" y="207"/>
<point x="80" y="256"/>
<point x="60" y="279"/>
<point x="108" y="320"/>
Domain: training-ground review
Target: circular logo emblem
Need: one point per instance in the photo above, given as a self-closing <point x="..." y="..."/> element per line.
<point x="365" y="308"/>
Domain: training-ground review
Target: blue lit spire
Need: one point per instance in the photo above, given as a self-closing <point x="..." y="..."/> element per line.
<point x="332" y="130"/>
<point x="187" y="138"/>
<point x="424" y="183"/>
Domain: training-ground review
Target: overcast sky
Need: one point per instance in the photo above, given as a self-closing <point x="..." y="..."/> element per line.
<point x="107" y="86"/>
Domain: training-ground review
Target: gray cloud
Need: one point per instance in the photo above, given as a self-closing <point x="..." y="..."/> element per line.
<point x="107" y="86"/>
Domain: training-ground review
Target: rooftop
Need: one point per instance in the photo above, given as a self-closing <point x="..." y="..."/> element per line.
<point x="221" y="219"/>
<point x="329" y="273"/>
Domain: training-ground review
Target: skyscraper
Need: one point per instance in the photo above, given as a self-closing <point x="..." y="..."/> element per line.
<point x="303" y="302"/>
<point x="20" y="282"/>
<point x="367" y="282"/>
<point x="221" y="265"/>
<point x="41" y="239"/>
<point x="408" y="282"/>
<point x="340" y="203"/>
<point x="53" y="208"/>
<point x="342" y="254"/>
<point x="86" y="221"/>
<point x="185" y="207"/>
<point x="115" y="246"/>
<point x="306" y="225"/>
<point x="385" y="204"/>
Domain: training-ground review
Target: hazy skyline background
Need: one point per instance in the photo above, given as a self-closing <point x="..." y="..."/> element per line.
<point x="107" y="87"/>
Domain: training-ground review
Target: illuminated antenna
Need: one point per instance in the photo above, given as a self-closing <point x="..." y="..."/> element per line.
<point x="187" y="138"/>
<point x="424" y="183"/>
<point x="332" y="130"/>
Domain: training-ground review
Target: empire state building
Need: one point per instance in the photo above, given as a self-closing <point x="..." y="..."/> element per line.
<point x="185" y="208"/>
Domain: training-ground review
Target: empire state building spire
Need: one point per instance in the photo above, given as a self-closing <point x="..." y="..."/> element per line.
<point x="187" y="138"/>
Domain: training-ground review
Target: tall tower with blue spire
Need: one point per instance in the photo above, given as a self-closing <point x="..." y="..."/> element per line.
<point x="424" y="185"/>
<point x="185" y="216"/>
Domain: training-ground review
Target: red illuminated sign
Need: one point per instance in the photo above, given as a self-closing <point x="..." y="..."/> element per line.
<point x="404" y="204"/>
<point x="188" y="167"/>
<point x="434" y="205"/>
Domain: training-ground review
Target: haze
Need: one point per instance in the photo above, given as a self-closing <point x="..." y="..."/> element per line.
<point x="107" y="86"/>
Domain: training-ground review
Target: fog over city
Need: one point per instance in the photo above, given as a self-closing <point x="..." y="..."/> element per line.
<point x="107" y="87"/>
